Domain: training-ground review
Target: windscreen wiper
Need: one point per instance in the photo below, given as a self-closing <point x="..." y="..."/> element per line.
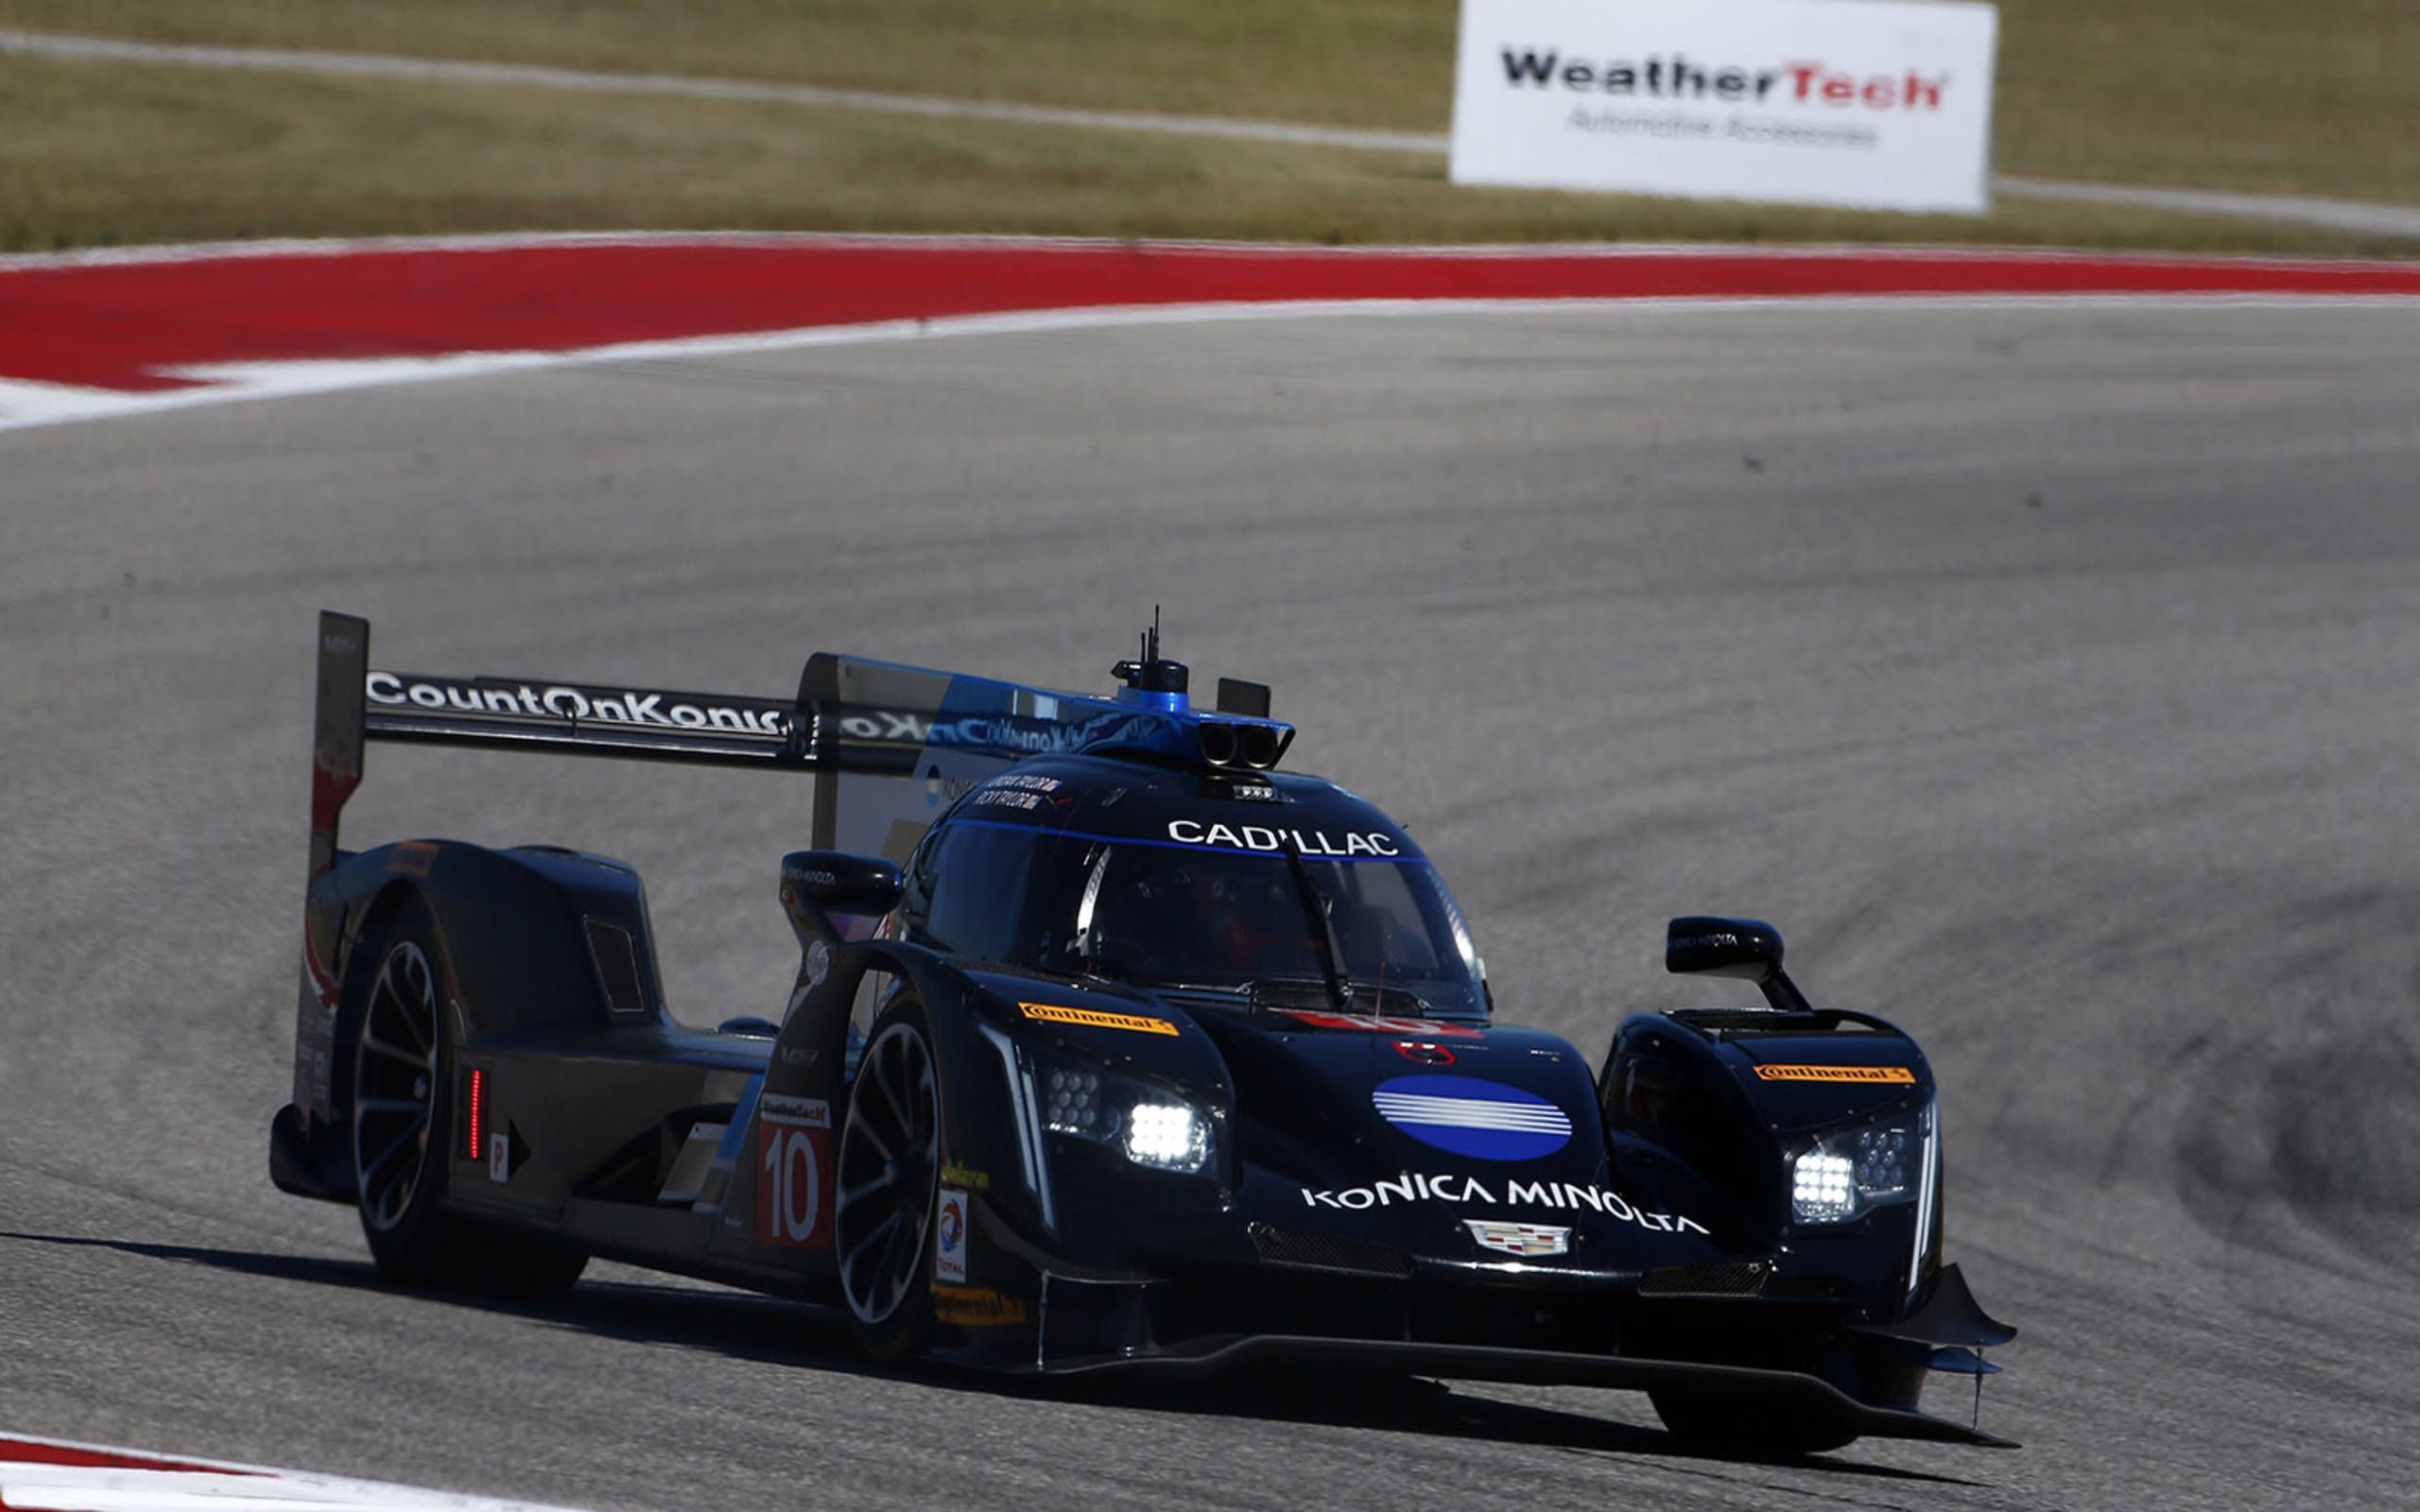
<point x="1315" y="905"/>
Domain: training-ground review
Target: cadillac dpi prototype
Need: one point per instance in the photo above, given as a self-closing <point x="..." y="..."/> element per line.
<point x="1111" y="1047"/>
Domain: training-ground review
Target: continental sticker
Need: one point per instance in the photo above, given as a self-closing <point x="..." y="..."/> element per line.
<point x="1893" y="1075"/>
<point x="1095" y="1017"/>
<point x="974" y="1306"/>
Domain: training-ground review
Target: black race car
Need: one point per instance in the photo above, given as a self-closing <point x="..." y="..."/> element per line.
<point x="1111" y="1047"/>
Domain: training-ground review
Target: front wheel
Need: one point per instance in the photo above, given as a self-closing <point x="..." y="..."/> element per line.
<point x="403" y="1110"/>
<point x="889" y="1184"/>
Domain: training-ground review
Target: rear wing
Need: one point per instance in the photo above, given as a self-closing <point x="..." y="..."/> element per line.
<point x="357" y="704"/>
<point x="898" y="742"/>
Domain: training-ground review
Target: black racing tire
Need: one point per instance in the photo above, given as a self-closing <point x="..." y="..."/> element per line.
<point x="1733" y="1426"/>
<point x="399" y="1055"/>
<point x="886" y="1185"/>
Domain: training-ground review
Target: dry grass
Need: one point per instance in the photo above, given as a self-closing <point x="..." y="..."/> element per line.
<point x="2316" y="97"/>
<point x="140" y="154"/>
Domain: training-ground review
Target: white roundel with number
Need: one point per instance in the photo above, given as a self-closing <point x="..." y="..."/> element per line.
<point x="793" y="1168"/>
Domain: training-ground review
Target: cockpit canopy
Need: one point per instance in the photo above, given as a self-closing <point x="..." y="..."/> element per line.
<point x="1168" y="880"/>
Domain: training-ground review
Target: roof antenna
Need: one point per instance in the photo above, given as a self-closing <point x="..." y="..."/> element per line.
<point x="1151" y="680"/>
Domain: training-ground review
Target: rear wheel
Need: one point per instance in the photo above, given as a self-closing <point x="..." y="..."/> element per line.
<point x="887" y="1185"/>
<point x="1727" y="1425"/>
<point x="403" y="1112"/>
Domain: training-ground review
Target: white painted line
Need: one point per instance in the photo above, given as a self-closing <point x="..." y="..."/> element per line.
<point x="181" y="253"/>
<point x="137" y="1481"/>
<point x="2334" y="214"/>
<point x="2299" y="210"/>
<point x="48" y="405"/>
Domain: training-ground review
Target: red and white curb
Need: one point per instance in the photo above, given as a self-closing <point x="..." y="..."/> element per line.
<point x="56" y="1476"/>
<point x="92" y="335"/>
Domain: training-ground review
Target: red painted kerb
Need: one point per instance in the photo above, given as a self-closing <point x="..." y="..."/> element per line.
<point x="125" y="325"/>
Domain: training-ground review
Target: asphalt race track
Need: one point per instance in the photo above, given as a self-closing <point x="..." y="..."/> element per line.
<point x="2051" y="676"/>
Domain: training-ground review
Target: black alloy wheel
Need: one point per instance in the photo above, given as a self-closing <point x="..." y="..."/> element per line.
<point x="402" y="1110"/>
<point x="887" y="1185"/>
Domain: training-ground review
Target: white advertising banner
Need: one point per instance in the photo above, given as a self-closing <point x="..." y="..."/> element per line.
<point x="1884" y="104"/>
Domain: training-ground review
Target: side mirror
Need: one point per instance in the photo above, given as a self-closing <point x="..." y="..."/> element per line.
<point x="835" y="881"/>
<point x="1749" y="949"/>
<point x="1699" y="945"/>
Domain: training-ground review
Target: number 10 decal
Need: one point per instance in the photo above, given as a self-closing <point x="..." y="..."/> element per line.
<point x="794" y="1171"/>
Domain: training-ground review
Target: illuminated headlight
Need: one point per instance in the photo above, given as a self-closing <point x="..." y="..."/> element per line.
<point x="1845" y="1174"/>
<point x="1822" y="1191"/>
<point x="1168" y="1136"/>
<point x="1140" y="1122"/>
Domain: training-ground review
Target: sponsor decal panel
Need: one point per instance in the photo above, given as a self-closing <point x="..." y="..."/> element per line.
<point x="1474" y="1117"/>
<point x="965" y="1176"/>
<point x="975" y="1307"/>
<point x="1563" y="1196"/>
<point x="793" y="1171"/>
<point x="1018" y="790"/>
<point x="485" y="698"/>
<point x="1886" y="1075"/>
<point x="1095" y="1017"/>
<point x="1519" y="1238"/>
<point x="1835" y="102"/>
<point x="1314" y="844"/>
<point x="949" y="1237"/>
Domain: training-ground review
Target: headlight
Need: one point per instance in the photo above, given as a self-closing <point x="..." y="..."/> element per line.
<point x="1144" y="1124"/>
<point x="1168" y="1135"/>
<point x="1849" y="1174"/>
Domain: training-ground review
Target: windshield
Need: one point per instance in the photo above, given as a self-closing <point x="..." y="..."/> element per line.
<point x="1158" y="915"/>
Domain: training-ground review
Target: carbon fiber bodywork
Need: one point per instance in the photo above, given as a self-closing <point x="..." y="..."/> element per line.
<point x="1376" y="1182"/>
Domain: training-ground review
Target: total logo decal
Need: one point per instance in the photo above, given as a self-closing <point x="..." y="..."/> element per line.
<point x="949" y="1237"/>
<point x="1472" y="1116"/>
<point x="1412" y="1186"/>
<point x="628" y="706"/>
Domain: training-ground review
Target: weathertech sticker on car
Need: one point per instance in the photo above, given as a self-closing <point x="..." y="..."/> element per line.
<point x="949" y="1237"/>
<point x="1895" y="1076"/>
<point x="793" y="1169"/>
<point x="1095" y="1017"/>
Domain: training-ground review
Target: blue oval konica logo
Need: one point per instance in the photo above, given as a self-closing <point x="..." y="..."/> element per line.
<point x="1467" y="1115"/>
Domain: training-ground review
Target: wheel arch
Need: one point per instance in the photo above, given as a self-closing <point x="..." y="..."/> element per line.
<point x="531" y="936"/>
